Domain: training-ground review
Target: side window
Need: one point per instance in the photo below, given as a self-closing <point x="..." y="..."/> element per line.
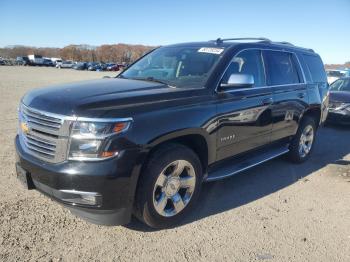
<point x="315" y="65"/>
<point x="247" y="62"/>
<point x="281" y="68"/>
<point x="305" y="68"/>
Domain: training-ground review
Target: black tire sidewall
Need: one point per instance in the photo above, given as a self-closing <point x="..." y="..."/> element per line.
<point x="155" y="166"/>
<point x="294" y="147"/>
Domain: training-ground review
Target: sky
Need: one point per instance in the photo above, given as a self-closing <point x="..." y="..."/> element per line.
<point x="323" y="25"/>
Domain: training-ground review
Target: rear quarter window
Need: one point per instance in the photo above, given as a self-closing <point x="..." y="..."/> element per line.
<point x="281" y="68"/>
<point x="316" y="68"/>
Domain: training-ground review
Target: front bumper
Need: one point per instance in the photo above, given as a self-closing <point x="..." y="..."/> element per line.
<point x="113" y="181"/>
<point x="337" y="118"/>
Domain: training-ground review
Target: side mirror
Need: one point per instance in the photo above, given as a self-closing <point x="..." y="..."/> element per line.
<point x="238" y="80"/>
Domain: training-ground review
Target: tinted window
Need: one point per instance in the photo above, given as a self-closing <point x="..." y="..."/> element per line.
<point x="341" y="85"/>
<point x="315" y="65"/>
<point x="304" y="68"/>
<point x="281" y="68"/>
<point x="247" y="62"/>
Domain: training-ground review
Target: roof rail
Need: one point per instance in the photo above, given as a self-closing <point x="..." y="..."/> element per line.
<point x="285" y="43"/>
<point x="290" y="44"/>
<point x="260" y="39"/>
<point x="219" y="40"/>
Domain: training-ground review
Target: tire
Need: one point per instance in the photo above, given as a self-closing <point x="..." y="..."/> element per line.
<point x="163" y="201"/>
<point x="304" y="140"/>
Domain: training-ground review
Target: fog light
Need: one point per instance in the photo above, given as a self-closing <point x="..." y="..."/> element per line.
<point x="89" y="199"/>
<point x="81" y="197"/>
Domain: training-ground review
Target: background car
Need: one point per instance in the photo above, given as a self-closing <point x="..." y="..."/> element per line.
<point x="97" y="67"/>
<point x="339" y="102"/>
<point x="57" y="62"/>
<point x="116" y="67"/>
<point x="80" y="66"/>
<point x="65" y="64"/>
<point x="109" y="65"/>
<point x="92" y="66"/>
<point x="22" y="60"/>
<point x="334" y="74"/>
<point x="102" y="67"/>
<point x="48" y="62"/>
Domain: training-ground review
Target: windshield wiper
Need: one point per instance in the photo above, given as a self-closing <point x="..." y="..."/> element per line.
<point x="151" y="79"/>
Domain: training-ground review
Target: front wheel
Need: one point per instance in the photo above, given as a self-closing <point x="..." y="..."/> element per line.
<point x="169" y="186"/>
<point x="303" y="142"/>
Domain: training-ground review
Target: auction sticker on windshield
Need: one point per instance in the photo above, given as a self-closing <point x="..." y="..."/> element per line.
<point x="211" y="50"/>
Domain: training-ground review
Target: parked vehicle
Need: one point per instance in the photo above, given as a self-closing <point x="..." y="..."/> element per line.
<point x="22" y="60"/>
<point x="109" y="66"/>
<point x="143" y="142"/>
<point x="116" y="67"/>
<point x="80" y="66"/>
<point x="48" y="62"/>
<point x="339" y="102"/>
<point x="333" y="75"/>
<point x="2" y="62"/>
<point x="102" y="67"/>
<point x="97" y="67"/>
<point x="92" y="66"/>
<point x="36" y="60"/>
<point x="55" y="60"/>
<point x="65" y="64"/>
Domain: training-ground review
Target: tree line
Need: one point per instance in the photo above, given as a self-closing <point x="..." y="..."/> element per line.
<point x="118" y="53"/>
<point x="335" y="66"/>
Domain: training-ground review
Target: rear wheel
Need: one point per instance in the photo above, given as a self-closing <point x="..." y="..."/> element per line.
<point x="169" y="186"/>
<point x="303" y="142"/>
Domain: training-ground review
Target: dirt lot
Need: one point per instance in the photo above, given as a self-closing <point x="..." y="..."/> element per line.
<point x="275" y="212"/>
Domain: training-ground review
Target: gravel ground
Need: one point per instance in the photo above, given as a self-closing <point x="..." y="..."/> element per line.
<point x="275" y="212"/>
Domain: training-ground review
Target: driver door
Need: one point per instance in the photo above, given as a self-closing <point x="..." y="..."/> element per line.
<point x="245" y="119"/>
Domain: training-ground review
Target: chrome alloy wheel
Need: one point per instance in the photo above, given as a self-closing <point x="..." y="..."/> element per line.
<point x="306" y="140"/>
<point x="174" y="188"/>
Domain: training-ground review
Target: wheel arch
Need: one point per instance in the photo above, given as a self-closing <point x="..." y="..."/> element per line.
<point x="314" y="112"/>
<point x="196" y="139"/>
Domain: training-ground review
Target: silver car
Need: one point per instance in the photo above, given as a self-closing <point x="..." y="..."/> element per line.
<point x="64" y="64"/>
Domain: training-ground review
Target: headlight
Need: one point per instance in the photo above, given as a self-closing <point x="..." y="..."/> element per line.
<point x="89" y="139"/>
<point x="347" y="108"/>
<point x="344" y="107"/>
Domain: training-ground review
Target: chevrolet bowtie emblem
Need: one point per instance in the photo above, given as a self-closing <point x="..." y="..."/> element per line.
<point x="24" y="127"/>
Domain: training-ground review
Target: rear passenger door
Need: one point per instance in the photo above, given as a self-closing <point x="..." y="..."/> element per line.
<point x="290" y="98"/>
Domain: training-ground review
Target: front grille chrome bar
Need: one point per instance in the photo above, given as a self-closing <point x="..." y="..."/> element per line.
<point x="45" y="135"/>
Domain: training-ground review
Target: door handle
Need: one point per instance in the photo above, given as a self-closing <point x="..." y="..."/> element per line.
<point x="267" y="101"/>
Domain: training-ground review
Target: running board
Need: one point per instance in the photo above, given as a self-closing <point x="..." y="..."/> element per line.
<point x="243" y="163"/>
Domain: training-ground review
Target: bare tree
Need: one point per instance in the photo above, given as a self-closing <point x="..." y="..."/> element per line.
<point x="117" y="53"/>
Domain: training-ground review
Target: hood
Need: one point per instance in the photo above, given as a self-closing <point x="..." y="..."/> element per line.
<point x="97" y="98"/>
<point x="339" y="96"/>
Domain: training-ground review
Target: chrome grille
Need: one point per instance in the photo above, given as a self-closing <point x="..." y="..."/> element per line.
<point x="43" y="147"/>
<point x="40" y="121"/>
<point x="44" y="135"/>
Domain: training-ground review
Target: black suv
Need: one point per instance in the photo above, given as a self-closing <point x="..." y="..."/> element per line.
<point x="143" y="142"/>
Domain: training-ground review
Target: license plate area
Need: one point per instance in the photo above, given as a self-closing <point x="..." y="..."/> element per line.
<point x="24" y="177"/>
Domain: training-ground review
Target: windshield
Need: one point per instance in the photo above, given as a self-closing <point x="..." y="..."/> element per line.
<point x="176" y="66"/>
<point x="341" y="85"/>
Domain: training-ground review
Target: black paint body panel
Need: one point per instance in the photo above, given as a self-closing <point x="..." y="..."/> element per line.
<point x="161" y="113"/>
